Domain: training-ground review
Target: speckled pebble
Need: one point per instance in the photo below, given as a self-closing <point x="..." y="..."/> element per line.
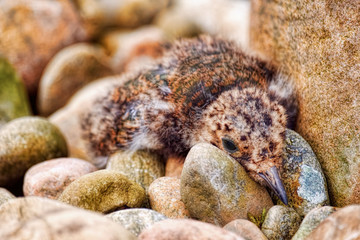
<point x="50" y="178"/>
<point x="5" y="196"/>
<point x="165" y="198"/>
<point x="25" y="142"/>
<point x="245" y="229"/>
<point x="35" y="218"/>
<point x="104" y="191"/>
<point x="303" y="178"/>
<point x="216" y="189"/>
<point x="281" y="223"/>
<point x="312" y="220"/>
<point x="136" y="220"/>
<point x="141" y="167"/>
<point x="186" y="229"/>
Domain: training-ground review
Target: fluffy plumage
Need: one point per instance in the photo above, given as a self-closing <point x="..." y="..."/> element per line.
<point x="202" y="90"/>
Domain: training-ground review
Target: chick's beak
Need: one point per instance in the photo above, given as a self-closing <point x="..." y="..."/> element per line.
<point x="272" y="178"/>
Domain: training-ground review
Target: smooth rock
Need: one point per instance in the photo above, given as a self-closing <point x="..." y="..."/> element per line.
<point x="164" y="194"/>
<point x="318" y="43"/>
<point x="126" y="13"/>
<point x="303" y="178"/>
<point x="104" y="191"/>
<point x="13" y="98"/>
<point x="69" y="70"/>
<point x="136" y="220"/>
<point x="216" y="189"/>
<point x="5" y="196"/>
<point x="33" y="31"/>
<point x="186" y="229"/>
<point x="341" y="225"/>
<point x="25" y="142"/>
<point x="34" y="218"/>
<point x="50" y="178"/>
<point x="174" y="167"/>
<point x="141" y="167"/>
<point x="280" y="223"/>
<point x="132" y="50"/>
<point x="312" y="220"/>
<point x="245" y="229"/>
<point x="68" y="118"/>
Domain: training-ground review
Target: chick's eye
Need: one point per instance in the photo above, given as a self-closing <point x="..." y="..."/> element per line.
<point x="229" y="145"/>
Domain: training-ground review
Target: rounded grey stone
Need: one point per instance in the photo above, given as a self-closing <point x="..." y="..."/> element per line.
<point x="5" y="196"/>
<point x="136" y="220"/>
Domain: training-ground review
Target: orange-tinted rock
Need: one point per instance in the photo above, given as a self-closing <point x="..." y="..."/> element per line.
<point x="343" y="224"/>
<point x="317" y="42"/>
<point x="186" y="229"/>
<point x="216" y="189"/>
<point x="174" y="167"/>
<point x="165" y="198"/>
<point x="245" y="229"/>
<point x="68" y="71"/>
<point x="33" y="31"/>
<point x="50" y="178"/>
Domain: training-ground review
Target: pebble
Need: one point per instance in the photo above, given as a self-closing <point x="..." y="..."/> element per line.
<point x="126" y="13"/>
<point x="35" y="31"/>
<point x="164" y="194"/>
<point x="136" y="220"/>
<point x="174" y="167"/>
<point x="13" y="98"/>
<point x="245" y="229"/>
<point x="312" y="220"/>
<point x="303" y="178"/>
<point x="186" y="229"/>
<point x="50" y="178"/>
<point x="280" y="223"/>
<point x="104" y="191"/>
<point x="67" y="118"/>
<point x="142" y="167"/>
<point x="340" y="225"/>
<point x="5" y="196"/>
<point x="34" y="218"/>
<point x="131" y="50"/>
<point x="25" y="142"/>
<point x="69" y="70"/>
<point x="216" y="189"/>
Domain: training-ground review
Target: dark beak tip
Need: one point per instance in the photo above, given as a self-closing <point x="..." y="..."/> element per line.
<point x="273" y="180"/>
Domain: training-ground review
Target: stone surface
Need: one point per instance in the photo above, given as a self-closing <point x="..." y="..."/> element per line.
<point x="245" y="229"/>
<point x="318" y="42"/>
<point x="33" y="31"/>
<point x="174" y="167"/>
<point x="127" y="13"/>
<point x="34" y="218"/>
<point x="50" y="178"/>
<point x="25" y="142"/>
<point x="280" y="223"/>
<point x="13" y="98"/>
<point x="131" y="50"/>
<point x="312" y="220"/>
<point x="104" y="191"/>
<point x="68" y="71"/>
<point x="303" y="178"/>
<point x="67" y="118"/>
<point x="136" y="220"/>
<point x="343" y="224"/>
<point x="164" y="194"/>
<point x="141" y="167"/>
<point x="5" y="196"/>
<point x="216" y="189"/>
<point x="186" y="229"/>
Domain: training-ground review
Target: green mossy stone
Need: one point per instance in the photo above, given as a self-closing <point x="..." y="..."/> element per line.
<point x="104" y="191"/>
<point x="13" y="98"/>
<point x="25" y="142"/>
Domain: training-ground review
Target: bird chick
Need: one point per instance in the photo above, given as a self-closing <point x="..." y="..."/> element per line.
<point x="203" y="90"/>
